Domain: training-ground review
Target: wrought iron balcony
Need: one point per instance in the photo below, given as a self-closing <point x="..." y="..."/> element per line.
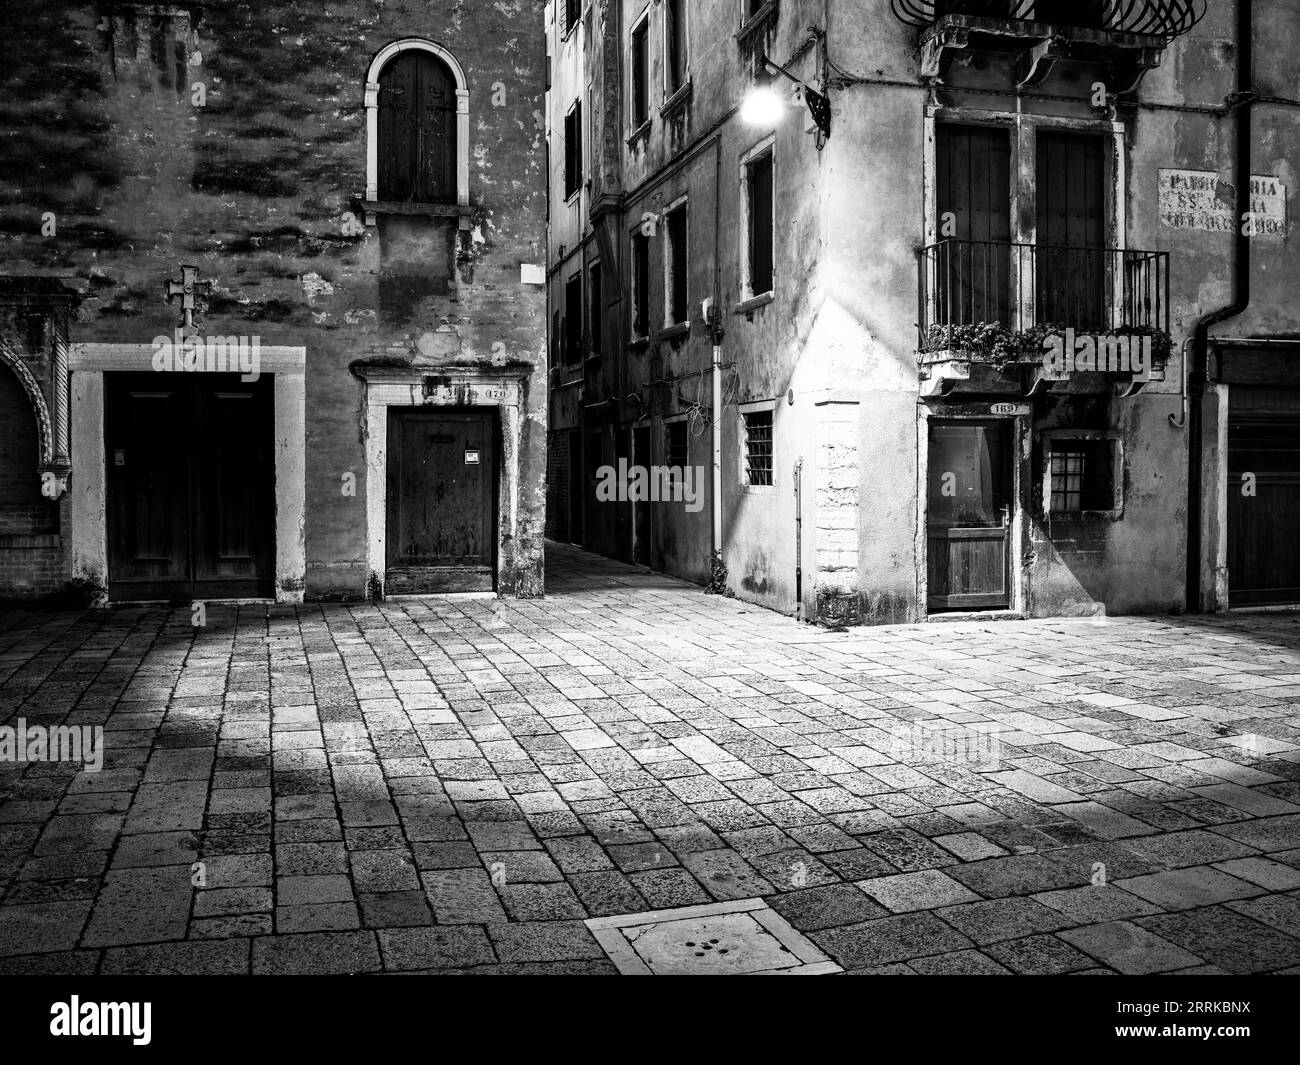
<point x="1127" y="35"/>
<point x="1022" y="287"/>
<point x="1156" y="18"/>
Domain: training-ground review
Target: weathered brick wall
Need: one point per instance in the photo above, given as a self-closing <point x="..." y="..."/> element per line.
<point x="235" y="139"/>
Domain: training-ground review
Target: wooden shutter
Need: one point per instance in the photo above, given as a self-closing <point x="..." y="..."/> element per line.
<point x="417" y="130"/>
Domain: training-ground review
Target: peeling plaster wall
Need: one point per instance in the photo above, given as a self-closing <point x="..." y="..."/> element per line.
<point x="850" y="222"/>
<point x="255" y="187"/>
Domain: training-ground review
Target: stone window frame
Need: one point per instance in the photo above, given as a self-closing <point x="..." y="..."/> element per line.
<point x="380" y="60"/>
<point x="742" y="448"/>
<point x="751" y="300"/>
<point x="639" y="129"/>
<point x="1022" y="132"/>
<point x="668" y="323"/>
<point x="1115" y="512"/>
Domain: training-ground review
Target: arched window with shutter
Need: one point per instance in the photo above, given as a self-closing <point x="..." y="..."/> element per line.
<point x="417" y="111"/>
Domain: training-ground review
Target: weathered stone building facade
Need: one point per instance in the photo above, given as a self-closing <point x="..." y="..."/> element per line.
<point x="271" y="301"/>
<point x="887" y="273"/>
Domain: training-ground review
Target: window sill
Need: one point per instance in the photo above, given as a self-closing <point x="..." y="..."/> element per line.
<point x="672" y="332"/>
<point x="757" y="21"/>
<point x="638" y="343"/>
<point x="427" y="210"/>
<point x="754" y="303"/>
<point x="677" y="100"/>
<point x="1085" y="515"/>
<point x="640" y="133"/>
<point x="758" y="489"/>
<point x="573" y="198"/>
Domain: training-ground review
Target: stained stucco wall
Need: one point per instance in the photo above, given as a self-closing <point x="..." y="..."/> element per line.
<point x="254" y="187"/>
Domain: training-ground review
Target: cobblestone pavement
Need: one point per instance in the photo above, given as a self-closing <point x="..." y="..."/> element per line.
<point x="458" y="784"/>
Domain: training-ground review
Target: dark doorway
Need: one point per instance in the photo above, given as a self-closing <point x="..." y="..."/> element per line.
<point x="969" y="515"/>
<point x="576" y="487"/>
<point x="1263" y="496"/>
<point x="191" y="486"/>
<point x="644" y="509"/>
<point x="442" y="501"/>
<point x="624" y="508"/>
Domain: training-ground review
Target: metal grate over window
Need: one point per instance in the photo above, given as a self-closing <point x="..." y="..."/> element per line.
<point x="758" y="447"/>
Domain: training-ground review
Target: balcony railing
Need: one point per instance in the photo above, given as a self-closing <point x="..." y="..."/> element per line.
<point x="1023" y="286"/>
<point x="1157" y="18"/>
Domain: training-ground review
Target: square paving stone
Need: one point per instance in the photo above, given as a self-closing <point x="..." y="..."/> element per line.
<point x="394" y="909"/>
<point x="141" y="906"/>
<point x="990" y="922"/>
<point x="311" y="859"/>
<point x="220" y="902"/>
<point x="316" y="953"/>
<point x="1176" y="850"/>
<point x="1129" y="949"/>
<point x="668" y="888"/>
<point x="317" y="917"/>
<point x="1267" y="874"/>
<point x="1096" y="905"/>
<point x="383" y="870"/>
<point x="521" y="867"/>
<point x="544" y="941"/>
<point x="857" y="864"/>
<point x="1039" y="956"/>
<point x="1230" y="940"/>
<point x="462" y="896"/>
<point x="312" y="890"/>
<point x="1180" y="889"/>
<point x="605" y="894"/>
<point x="405" y="949"/>
<point x="1277" y="911"/>
<point x="725" y="874"/>
<point x="959" y="963"/>
<point x="890" y="939"/>
<point x="924" y="890"/>
<point x="578" y="854"/>
<point x="42" y="927"/>
<point x="826" y="907"/>
<point x="969" y="846"/>
<point x="541" y="902"/>
<point x="228" y="957"/>
<point x="1018" y="874"/>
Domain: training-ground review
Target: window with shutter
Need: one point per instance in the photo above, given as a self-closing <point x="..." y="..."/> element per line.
<point x="417" y="130"/>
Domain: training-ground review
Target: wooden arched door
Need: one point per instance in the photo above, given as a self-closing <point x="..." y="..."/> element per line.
<point x="417" y="130"/>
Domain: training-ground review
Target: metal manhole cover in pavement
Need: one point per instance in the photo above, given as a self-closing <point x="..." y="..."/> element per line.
<point x="744" y="938"/>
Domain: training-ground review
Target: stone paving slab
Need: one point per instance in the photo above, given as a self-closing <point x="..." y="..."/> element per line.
<point x="461" y="785"/>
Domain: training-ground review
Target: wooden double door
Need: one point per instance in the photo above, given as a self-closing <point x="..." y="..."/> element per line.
<point x="190" y="486"/>
<point x="443" y="480"/>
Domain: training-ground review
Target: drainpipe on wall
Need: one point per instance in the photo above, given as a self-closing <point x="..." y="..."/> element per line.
<point x="1242" y="101"/>
<point x="798" y="540"/>
<point x="717" y="445"/>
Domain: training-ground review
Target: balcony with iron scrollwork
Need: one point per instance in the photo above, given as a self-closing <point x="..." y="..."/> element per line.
<point x="986" y="308"/>
<point x="1129" y="35"/>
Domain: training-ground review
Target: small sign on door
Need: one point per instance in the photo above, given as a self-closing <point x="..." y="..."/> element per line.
<point x="472" y="458"/>
<point x="119" y="457"/>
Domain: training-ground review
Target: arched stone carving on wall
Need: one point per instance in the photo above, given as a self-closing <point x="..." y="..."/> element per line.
<point x="40" y="410"/>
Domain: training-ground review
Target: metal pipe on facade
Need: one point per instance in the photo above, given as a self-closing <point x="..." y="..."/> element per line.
<point x="1245" y="99"/>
